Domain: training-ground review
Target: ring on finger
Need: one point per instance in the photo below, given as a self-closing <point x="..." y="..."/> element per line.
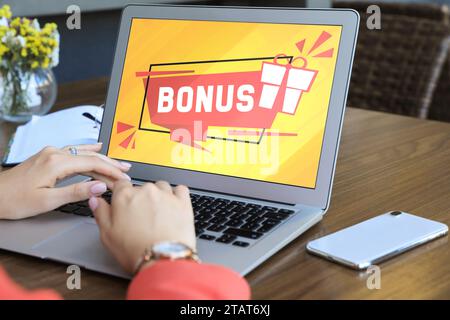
<point x="73" y="151"/>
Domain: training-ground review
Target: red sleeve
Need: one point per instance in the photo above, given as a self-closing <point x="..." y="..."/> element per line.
<point x="163" y="280"/>
<point x="11" y="291"/>
<point x="187" y="280"/>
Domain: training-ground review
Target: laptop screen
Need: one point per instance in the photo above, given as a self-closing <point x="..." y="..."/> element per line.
<point x="240" y="99"/>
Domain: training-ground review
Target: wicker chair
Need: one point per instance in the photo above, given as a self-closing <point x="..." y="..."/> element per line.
<point x="396" y="69"/>
<point x="440" y="106"/>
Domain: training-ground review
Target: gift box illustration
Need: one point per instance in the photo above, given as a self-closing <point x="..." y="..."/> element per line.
<point x="188" y="96"/>
<point x="290" y="80"/>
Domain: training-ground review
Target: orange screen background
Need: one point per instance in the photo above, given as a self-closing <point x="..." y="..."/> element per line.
<point x="153" y="41"/>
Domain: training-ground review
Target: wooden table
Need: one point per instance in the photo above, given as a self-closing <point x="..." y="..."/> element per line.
<point x="386" y="162"/>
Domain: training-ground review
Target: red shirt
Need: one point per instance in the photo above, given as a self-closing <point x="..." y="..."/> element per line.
<point x="163" y="280"/>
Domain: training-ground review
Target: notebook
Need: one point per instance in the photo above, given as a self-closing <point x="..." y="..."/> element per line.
<point x="58" y="129"/>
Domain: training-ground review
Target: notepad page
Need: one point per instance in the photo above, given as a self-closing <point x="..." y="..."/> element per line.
<point x="58" y="129"/>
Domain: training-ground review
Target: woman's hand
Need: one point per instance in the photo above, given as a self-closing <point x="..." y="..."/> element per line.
<point x="29" y="188"/>
<point x="139" y="217"/>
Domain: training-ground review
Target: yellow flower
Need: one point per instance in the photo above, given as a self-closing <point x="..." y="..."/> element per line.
<point x="36" y="45"/>
<point x="15" y="23"/>
<point x="3" y="30"/>
<point x="5" y="12"/>
<point x="45" y="63"/>
<point x="3" y="49"/>
<point x="52" y="26"/>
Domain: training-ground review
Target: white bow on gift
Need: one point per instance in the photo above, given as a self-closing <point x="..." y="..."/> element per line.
<point x="292" y="80"/>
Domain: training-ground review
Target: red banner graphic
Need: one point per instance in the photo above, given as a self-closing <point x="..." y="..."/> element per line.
<point x="248" y="99"/>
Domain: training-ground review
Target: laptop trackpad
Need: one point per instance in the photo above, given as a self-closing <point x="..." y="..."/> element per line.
<point x="80" y="245"/>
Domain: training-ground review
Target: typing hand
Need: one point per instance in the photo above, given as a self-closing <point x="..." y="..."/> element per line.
<point x="29" y="188"/>
<point x="139" y="217"/>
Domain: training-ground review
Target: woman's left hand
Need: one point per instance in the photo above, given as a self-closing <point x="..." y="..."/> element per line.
<point x="29" y="188"/>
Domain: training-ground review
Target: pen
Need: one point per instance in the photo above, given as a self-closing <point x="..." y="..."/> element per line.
<point x="90" y="116"/>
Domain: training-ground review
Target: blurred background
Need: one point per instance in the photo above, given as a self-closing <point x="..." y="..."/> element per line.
<point x="402" y="68"/>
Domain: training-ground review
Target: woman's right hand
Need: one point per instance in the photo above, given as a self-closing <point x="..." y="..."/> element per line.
<point x="142" y="216"/>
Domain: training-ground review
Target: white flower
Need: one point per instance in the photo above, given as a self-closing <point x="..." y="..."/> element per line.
<point x="8" y="38"/>
<point x="21" y="41"/>
<point x="56" y="37"/>
<point x="55" y="54"/>
<point x="55" y="57"/>
<point x="4" y="22"/>
<point x="15" y="41"/>
<point x="35" y="24"/>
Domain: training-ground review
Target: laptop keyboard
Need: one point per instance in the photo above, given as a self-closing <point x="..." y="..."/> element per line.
<point x="217" y="219"/>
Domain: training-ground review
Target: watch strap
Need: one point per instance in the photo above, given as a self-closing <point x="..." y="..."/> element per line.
<point x="149" y="256"/>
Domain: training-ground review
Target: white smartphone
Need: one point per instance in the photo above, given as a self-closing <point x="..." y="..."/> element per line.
<point x="377" y="239"/>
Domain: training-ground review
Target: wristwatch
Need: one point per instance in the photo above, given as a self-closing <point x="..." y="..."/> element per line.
<point x="167" y="250"/>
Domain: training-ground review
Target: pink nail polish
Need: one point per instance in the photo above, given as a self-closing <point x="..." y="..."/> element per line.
<point x="125" y="164"/>
<point x="93" y="203"/>
<point x="98" y="188"/>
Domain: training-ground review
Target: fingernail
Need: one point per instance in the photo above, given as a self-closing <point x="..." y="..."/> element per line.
<point x="98" y="188"/>
<point x="125" y="164"/>
<point x="100" y="143"/>
<point x="127" y="177"/>
<point x="93" y="203"/>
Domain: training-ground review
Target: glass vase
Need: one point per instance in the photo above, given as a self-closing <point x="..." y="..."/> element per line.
<point x="26" y="93"/>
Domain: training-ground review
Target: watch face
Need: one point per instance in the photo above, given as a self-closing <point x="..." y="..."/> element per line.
<point x="170" y="249"/>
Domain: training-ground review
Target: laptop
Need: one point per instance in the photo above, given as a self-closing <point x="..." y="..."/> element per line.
<point x="243" y="105"/>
